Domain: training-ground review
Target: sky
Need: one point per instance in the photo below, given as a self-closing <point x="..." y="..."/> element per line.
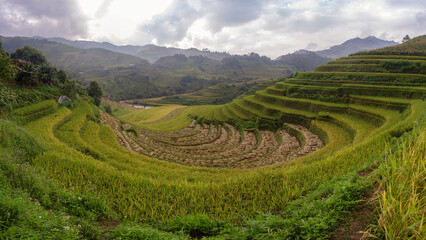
<point x="267" y="27"/>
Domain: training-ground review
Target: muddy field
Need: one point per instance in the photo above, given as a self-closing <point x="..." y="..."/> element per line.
<point x="215" y="145"/>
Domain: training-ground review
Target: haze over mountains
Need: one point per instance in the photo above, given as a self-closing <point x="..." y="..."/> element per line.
<point x="153" y="52"/>
<point x="129" y="72"/>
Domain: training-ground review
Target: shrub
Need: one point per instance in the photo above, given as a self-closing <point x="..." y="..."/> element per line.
<point x="196" y="225"/>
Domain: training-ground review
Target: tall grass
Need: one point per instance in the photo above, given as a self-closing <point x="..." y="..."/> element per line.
<point x="403" y="197"/>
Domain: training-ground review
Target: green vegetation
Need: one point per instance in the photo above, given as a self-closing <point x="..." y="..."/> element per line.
<point x="414" y="47"/>
<point x="402" y="201"/>
<point x="30" y="55"/>
<point x="218" y="94"/>
<point x="221" y="171"/>
<point x="95" y="92"/>
<point x="125" y="77"/>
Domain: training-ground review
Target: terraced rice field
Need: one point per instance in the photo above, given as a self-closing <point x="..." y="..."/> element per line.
<point x="256" y="154"/>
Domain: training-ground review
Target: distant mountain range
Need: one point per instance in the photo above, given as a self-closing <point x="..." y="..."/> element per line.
<point x="149" y="52"/>
<point x="153" y="52"/>
<point x="348" y="47"/>
<point x="355" y="45"/>
<point x="129" y="72"/>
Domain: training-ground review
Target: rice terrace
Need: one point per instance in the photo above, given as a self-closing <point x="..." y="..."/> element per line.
<point x="334" y="153"/>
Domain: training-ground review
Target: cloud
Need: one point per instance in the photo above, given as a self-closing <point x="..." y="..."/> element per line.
<point x="103" y="9"/>
<point x="311" y="46"/>
<point x="421" y="18"/>
<point x="43" y="17"/>
<point x="271" y="27"/>
<point x="173" y="24"/>
<point x="224" y="13"/>
<point x="280" y="27"/>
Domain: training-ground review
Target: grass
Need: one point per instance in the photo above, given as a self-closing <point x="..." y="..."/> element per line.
<point x="31" y="206"/>
<point x="32" y="109"/>
<point x="303" y="198"/>
<point x="402" y="199"/>
<point x="349" y="68"/>
<point x="367" y="77"/>
<point x="73" y="162"/>
<point x="150" y="115"/>
<point x="180" y="119"/>
<point x="385" y="91"/>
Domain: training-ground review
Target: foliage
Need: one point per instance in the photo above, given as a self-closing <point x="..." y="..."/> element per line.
<point x="30" y="205"/>
<point x="406" y="38"/>
<point x="35" y="111"/>
<point x="108" y="109"/>
<point x="95" y="91"/>
<point x="134" y="231"/>
<point x="196" y="225"/>
<point x="46" y="73"/>
<point x="29" y="54"/>
<point x="403" y="199"/>
<point x="304" y="198"/>
<point x="367" y="77"/>
<point x="413" y="47"/>
<point x="218" y="94"/>
<point x="7" y="69"/>
<point x="25" y="76"/>
<point x="404" y="67"/>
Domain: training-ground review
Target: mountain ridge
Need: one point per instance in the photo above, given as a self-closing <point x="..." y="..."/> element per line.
<point x="350" y="46"/>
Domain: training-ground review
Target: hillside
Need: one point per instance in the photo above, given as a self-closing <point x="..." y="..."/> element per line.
<point x="296" y="160"/>
<point x="124" y="76"/>
<point x="355" y="45"/>
<point x="127" y="49"/>
<point x="175" y="71"/>
<point x="415" y="46"/>
<point x="153" y="53"/>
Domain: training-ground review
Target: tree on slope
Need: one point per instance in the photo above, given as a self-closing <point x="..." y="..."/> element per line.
<point x="29" y="54"/>
<point x="95" y="92"/>
<point x="406" y="38"/>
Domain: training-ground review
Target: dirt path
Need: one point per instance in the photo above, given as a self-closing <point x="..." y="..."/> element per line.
<point x="354" y="226"/>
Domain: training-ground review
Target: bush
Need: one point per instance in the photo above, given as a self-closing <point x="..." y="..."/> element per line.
<point x="196" y="225"/>
<point x="404" y="67"/>
<point x="29" y="54"/>
<point x="7" y="70"/>
<point x="133" y="232"/>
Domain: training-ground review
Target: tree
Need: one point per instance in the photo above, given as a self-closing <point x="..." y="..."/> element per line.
<point x="25" y="76"/>
<point x="46" y="73"/>
<point x="7" y="69"/>
<point x="29" y="54"/>
<point x="95" y="91"/>
<point x="69" y="88"/>
<point x="62" y="76"/>
<point x="406" y="38"/>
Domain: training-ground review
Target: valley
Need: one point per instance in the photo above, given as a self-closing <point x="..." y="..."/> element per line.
<point x="290" y="160"/>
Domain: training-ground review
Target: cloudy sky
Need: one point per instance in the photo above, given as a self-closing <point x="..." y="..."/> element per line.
<point x="268" y="27"/>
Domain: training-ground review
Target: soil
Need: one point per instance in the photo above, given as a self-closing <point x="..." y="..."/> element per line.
<point x="354" y="227"/>
<point x="214" y="146"/>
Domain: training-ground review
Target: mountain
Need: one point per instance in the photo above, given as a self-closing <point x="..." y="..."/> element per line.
<point x="118" y="74"/>
<point x="124" y="76"/>
<point x="127" y="49"/>
<point x="149" y="52"/>
<point x="153" y="53"/>
<point x="415" y="46"/>
<point x="303" y="60"/>
<point x="355" y="45"/>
